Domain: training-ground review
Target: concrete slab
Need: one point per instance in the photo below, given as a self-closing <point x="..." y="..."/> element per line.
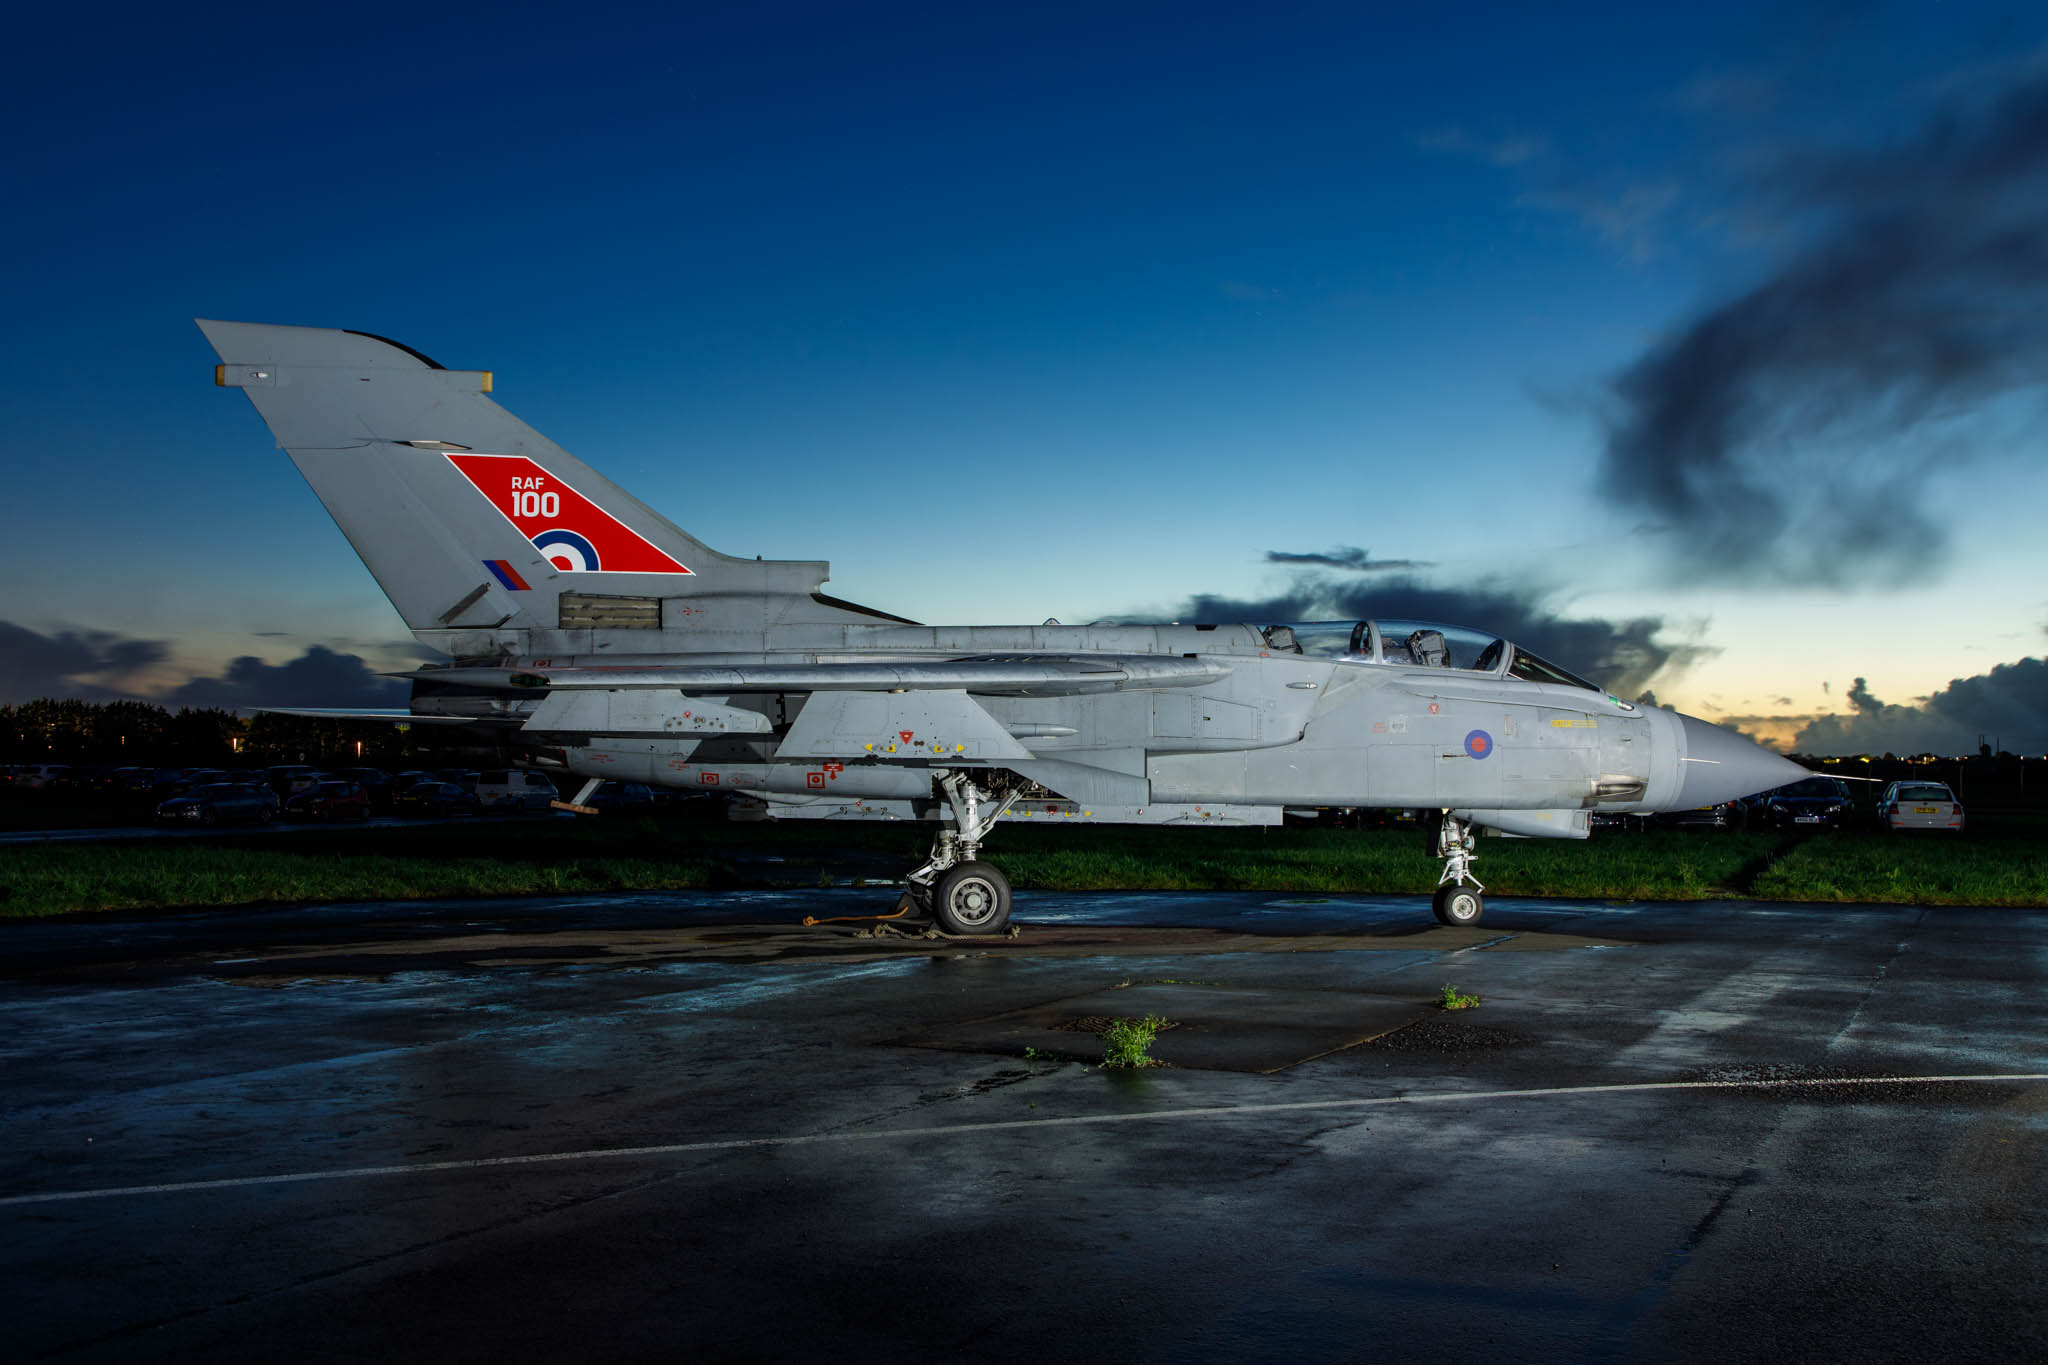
<point x="1210" y="1027"/>
<point x="579" y="1130"/>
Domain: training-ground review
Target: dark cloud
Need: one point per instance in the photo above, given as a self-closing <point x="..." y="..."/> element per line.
<point x="1345" y="557"/>
<point x="1620" y="655"/>
<point x="98" y="665"/>
<point x="82" y="665"/>
<point x="319" y="677"/>
<point x="1788" y="434"/>
<point x="2007" y="707"/>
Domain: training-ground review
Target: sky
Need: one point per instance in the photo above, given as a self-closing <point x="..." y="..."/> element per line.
<point x="1701" y="352"/>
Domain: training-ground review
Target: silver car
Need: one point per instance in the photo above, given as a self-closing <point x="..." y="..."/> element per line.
<point x="1919" y="805"/>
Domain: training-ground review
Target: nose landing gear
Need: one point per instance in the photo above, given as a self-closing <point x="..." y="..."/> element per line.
<point x="1460" y="899"/>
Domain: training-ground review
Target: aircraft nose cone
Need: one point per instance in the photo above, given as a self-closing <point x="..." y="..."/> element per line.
<point x="1721" y="765"/>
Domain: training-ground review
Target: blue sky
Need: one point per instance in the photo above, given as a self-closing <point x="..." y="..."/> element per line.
<point x="1583" y="316"/>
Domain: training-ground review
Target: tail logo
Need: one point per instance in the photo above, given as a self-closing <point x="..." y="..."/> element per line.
<point x="567" y="551"/>
<point x="572" y="533"/>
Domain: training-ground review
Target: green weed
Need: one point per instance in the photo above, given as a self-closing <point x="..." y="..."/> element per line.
<point x="1452" y="1000"/>
<point x="1127" y="1043"/>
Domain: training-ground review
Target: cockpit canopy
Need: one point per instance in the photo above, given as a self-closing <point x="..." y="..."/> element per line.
<point x="1418" y="644"/>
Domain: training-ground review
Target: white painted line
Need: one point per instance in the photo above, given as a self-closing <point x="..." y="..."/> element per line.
<point x="1005" y="1125"/>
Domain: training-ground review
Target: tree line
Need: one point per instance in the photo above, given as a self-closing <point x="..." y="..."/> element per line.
<point x="146" y="735"/>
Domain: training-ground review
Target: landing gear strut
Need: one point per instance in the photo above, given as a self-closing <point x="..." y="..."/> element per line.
<point x="1459" y="899"/>
<point x="963" y="894"/>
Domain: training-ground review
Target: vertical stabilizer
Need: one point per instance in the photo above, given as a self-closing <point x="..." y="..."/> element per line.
<point x="470" y="520"/>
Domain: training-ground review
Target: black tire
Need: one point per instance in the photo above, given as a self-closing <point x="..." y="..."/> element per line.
<point x="973" y="898"/>
<point x="207" y="816"/>
<point x="1458" y="906"/>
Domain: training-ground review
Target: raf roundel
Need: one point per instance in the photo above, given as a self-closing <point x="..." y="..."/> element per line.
<point x="1479" y="744"/>
<point x="567" y="551"/>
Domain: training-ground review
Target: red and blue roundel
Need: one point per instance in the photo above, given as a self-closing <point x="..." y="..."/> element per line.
<point x="1479" y="744"/>
<point x="567" y="551"/>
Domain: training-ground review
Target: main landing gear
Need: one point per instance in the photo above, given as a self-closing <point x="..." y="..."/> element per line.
<point x="1459" y="899"/>
<point x="962" y="894"/>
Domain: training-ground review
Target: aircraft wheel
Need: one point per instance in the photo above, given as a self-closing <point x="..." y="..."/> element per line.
<point x="1458" y="905"/>
<point x="972" y="898"/>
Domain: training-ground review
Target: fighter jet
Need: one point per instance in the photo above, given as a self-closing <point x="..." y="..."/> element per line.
<point x="586" y="634"/>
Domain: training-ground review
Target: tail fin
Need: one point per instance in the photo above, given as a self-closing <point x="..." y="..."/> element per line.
<point x="477" y="527"/>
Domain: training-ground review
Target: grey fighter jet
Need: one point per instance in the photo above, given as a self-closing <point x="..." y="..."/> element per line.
<point x="589" y="635"/>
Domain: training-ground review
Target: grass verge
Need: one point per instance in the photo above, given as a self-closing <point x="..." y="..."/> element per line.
<point x="2001" y="866"/>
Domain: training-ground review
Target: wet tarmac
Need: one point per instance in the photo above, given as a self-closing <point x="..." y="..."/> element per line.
<point x="663" y="1126"/>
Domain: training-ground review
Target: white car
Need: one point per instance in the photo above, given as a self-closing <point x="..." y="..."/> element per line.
<point x="515" y="789"/>
<point x="1919" y="805"/>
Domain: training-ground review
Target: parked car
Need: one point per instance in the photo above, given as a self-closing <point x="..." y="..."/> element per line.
<point x="31" y="775"/>
<point x="128" y="781"/>
<point x="330" y="801"/>
<point x="1811" y="801"/>
<point x="373" y="780"/>
<point x="514" y="789"/>
<point x="1919" y="805"/>
<point x="286" y="778"/>
<point x="388" y="794"/>
<point x="178" y="781"/>
<point x="436" y="798"/>
<point x="1625" y="821"/>
<point x="631" y="796"/>
<point x="219" y="803"/>
<point x="82" y="777"/>
<point x="1727" y="815"/>
<point x="288" y="787"/>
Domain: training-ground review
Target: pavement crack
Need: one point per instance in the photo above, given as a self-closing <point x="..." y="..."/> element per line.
<point x="1877" y="980"/>
<point x="1614" y="1343"/>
